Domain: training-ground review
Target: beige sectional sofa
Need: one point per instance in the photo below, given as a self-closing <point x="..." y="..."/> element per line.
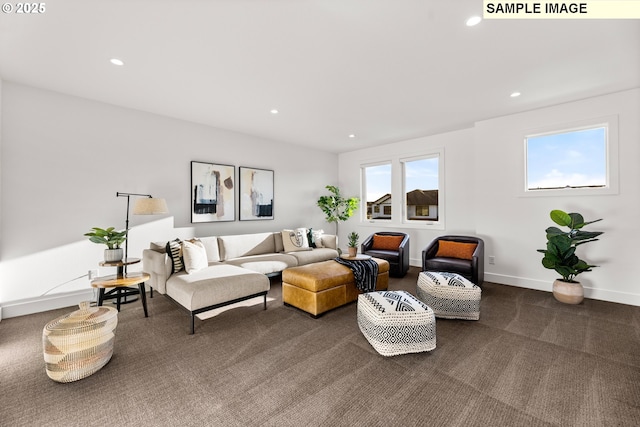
<point x="237" y="267"/>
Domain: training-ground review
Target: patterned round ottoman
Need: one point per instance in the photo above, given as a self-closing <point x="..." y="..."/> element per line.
<point x="80" y="343"/>
<point x="396" y="322"/>
<point x="450" y="295"/>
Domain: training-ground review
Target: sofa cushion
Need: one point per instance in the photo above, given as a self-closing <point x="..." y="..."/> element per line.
<point x="216" y="284"/>
<point x="315" y="255"/>
<point x="236" y="246"/>
<point x="211" y="246"/>
<point x="174" y="250"/>
<point x="317" y="238"/>
<point x="295" y="240"/>
<point x="310" y="238"/>
<point x="194" y="256"/>
<point x="277" y="237"/>
<point x="160" y="247"/>
<point x="265" y="263"/>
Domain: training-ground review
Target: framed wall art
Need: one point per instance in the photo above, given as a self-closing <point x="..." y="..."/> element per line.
<point x="256" y="194"/>
<point x="212" y="192"/>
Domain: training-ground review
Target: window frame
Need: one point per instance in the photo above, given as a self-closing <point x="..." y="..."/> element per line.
<point x="610" y="124"/>
<point x="439" y="156"/>
<point x="398" y="204"/>
<point x="363" y="192"/>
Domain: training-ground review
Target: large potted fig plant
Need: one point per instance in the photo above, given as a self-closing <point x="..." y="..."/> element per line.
<point x="560" y="254"/>
<point x="110" y="237"/>
<point x="337" y="208"/>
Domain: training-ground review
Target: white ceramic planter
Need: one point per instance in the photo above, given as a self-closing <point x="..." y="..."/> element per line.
<point x="568" y="292"/>
<point x="113" y="255"/>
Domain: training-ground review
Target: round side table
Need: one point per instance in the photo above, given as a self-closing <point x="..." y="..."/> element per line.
<point x="120" y="288"/>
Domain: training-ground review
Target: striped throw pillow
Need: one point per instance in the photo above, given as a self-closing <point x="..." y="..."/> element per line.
<point x="174" y="250"/>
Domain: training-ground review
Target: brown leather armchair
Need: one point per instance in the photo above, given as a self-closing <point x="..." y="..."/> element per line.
<point x="469" y="264"/>
<point x="390" y="246"/>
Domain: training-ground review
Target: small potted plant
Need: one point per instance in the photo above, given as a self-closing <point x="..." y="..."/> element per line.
<point x="560" y="254"/>
<point x="353" y="243"/>
<point x="110" y="237"/>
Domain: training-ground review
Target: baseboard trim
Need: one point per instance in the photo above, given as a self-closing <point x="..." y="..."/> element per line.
<point x="44" y="303"/>
<point x="542" y="285"/>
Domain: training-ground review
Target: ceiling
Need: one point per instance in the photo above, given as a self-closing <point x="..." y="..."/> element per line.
<point x="384" y="70"/>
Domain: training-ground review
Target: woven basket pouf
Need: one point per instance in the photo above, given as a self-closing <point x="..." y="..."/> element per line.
<point x="396" y="322"/>
<point x="450" y="295"/>
<point x="80" y="343"/>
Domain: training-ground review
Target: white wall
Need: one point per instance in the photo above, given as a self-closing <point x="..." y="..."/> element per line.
<point x="64" y="158"/>
<point x="483" y="168"/>
<point x="513" y="227"/>
<point x="0" y="178"/>
<point x="459" y="186"/>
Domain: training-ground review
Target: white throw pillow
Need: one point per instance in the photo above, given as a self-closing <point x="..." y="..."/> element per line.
<point x="211" y="246"/>
<point x="295" y="240"/>
<point x="194" y="255"/>
<point x="317" y="238"/>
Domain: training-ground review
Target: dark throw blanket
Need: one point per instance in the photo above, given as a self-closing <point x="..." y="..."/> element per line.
<point x="365" y="272"/>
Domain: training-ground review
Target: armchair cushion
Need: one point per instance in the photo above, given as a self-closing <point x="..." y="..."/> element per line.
<point x="459" y="250"/>
<point x="388" y="243"/>
<point x="471" y="268"/>
<point x="390" y="246"/>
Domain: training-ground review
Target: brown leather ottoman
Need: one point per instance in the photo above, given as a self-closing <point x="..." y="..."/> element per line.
<point x="322" y="286"/>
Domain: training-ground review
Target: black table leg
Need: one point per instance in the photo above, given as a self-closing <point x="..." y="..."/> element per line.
<point x="100" y="296"/>
<point x="143" y="297"/>
<point x="118" y="290"/>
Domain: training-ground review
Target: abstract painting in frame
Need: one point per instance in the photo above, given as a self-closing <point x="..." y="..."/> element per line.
<point x="256" y="194"/>
<point x="212" y="192"/>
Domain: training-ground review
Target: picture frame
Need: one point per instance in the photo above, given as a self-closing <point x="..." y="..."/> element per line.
<point x="212" y="192"/>
<point x="256" y="194"/>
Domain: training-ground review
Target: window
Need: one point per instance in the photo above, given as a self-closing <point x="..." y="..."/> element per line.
<point x="405" y="191"/>
<point x="377" y="191"/>
<point x="421" y="188"/>
<point x="422" y="210"/>
<point x="572" y="160"/>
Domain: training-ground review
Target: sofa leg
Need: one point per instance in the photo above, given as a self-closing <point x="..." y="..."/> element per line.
<point x="265" y="301"/>
<point x="193" y="321"/>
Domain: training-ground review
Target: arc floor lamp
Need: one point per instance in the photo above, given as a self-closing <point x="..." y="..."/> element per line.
<point x="145" y="204"/>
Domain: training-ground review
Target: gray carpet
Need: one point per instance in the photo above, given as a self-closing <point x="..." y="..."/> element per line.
<point x="528" y="361"/>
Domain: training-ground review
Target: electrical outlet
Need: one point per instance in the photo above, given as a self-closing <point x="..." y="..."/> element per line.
<point x="93" y="274"/>
<point x="492" y="259"/>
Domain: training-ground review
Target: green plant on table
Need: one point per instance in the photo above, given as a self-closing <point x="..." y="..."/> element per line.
<point x="561" y="245"/>
<point x="110" y="237"/>
<point x="353" y="239"/>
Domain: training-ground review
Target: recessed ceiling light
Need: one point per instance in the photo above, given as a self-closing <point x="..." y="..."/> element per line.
<point x="116" y="61"/>
<point x="515" y="94"/>
<point x="474" y="20"/>
<point x="353" y="135"/>
<point x="274" y="111"/>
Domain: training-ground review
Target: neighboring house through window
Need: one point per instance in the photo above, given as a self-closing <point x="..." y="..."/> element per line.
<point x="421" y="201"/>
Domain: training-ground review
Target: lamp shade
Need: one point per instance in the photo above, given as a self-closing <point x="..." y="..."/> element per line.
<point x="150" y="206"/>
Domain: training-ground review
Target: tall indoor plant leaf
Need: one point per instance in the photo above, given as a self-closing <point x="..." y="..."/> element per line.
<point x="560" y="254"/>
<point x="337" y="208"/>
